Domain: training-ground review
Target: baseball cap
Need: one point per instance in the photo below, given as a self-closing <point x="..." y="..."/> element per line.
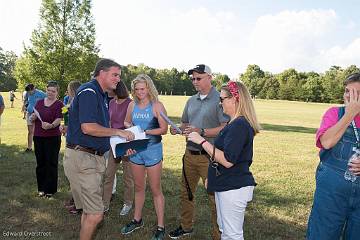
<point x="200" y="68"/>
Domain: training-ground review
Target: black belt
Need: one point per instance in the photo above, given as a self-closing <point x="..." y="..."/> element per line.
<point x="202" y="152"/>
<point x="84" y="149"/>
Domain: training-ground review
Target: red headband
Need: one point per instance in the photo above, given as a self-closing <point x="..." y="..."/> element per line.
<point x="234" y="89"/>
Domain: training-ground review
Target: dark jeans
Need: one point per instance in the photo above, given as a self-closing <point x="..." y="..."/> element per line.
<point x="47" y="159"/>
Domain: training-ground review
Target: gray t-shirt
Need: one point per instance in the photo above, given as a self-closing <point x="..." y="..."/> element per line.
<point x="205" y="113"/>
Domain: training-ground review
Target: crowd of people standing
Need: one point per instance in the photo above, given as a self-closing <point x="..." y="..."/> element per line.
<point x="219" y="129"/>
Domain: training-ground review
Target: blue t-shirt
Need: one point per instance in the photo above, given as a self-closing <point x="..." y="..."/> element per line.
<point x="33" y="98"/>
<point x="146" y="120"/>
<point x="66" y="100"/>
<point x="1" y="101"/>
<point x="236" y="141"/>
<point x="90" y="105"/>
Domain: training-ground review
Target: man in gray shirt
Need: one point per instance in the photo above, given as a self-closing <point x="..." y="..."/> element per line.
<point x="202" y="114"/>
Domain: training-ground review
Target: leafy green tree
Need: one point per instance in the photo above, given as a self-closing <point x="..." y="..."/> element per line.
<point x="7" y="65"/>
<point x="271" y="87"/>
<point x="62" y="47"/>
<point x="253" y="78"/>
<point x="332" y="82"/>
<point x="313" y="89"/>
<point x="220" y="79"/>
<point x="290" y="84"/>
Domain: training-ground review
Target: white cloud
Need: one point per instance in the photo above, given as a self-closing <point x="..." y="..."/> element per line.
<point x="165" y="39"/>
<point x="290" y="39"/>
<point x="165" y="34"/>
<point x="341" y="56"/>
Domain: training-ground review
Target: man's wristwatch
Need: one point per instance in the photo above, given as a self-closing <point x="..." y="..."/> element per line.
<point x="202" y="132"/>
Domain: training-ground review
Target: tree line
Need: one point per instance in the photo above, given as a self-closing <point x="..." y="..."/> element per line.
<point x="63" y="48"/>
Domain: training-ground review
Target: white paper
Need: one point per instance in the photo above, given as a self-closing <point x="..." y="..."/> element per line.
<point x="37" y="115"/>
<point x="139" y="134"/>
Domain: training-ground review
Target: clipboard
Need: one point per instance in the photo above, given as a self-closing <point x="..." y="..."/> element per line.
<point x="119" y="145"/>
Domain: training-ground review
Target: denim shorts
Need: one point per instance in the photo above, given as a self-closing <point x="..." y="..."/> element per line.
<point x="149" y="157"/>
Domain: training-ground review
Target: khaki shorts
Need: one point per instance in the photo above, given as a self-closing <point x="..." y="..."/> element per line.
<point x="28" y="121"/>
<point x="85" y="172"/>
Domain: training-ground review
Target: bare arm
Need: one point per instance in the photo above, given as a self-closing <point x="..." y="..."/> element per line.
<point x="96" y="130"/>
<point x="208" y="147"/>
<point x="208" y="132"/>
<point x="2" y="110"/>
<point x="334" y="133"/>
<point x="159" y="107"/>
<point x="127" y="121"/>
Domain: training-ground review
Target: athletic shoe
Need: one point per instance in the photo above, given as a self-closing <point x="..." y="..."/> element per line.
<point x="126" y="209"/>
<point x="132" y="226"/>
<point x="179" y="232"/>
<point x="159" y="233"/>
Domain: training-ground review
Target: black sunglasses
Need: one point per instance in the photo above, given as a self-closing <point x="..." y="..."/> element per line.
<point x="197" y="79"/>
<point x="222" y="99"/>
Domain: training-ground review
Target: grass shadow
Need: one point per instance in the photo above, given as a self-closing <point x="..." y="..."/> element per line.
<point x="284" y="128"/>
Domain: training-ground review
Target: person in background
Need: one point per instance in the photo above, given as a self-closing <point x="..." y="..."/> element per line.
<point x="117" y="111"/>
<point x="47" y="140"/>
<point x="87" y="140"/>
<point x="144" y="111"/>
<point x="12" y="98"/>
<point x="71" y="91"/>
<point x="2" y="107"/>
<point x="33" y="95"/>
<point x="25" y="103"/>
<point x="66" y="97"/>
<point x="335" y="213"/>
<point x="231" y="154"/>
<point x="202" y="114"/>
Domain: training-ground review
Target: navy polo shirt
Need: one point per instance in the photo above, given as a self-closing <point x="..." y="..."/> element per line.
<point x="236" y="141"/>
<point x="90" y="105"/>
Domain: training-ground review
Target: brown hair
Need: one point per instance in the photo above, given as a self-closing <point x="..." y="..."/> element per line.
<point x="121" y="90"/>
<point x="355" y="77"/>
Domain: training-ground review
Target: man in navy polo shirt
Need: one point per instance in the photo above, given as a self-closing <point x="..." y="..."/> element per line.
<point x="87" y="140"/>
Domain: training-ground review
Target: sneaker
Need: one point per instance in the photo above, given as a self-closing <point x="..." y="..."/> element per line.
<point x="49" y="196"/>
<point x="41" y="194"/>
<point x="159" y="233"/>
<point x="28" y="150"/>
<point x="179" y="232"/>
<point x="106" y="209"/>
<point x="126" y="209"/>
<point x="132" y="226"/>
<point x="75" y="211"/>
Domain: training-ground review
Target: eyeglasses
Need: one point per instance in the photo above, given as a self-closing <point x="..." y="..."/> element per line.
<point x="223" y="98"/>
<point x="196" y="78"/>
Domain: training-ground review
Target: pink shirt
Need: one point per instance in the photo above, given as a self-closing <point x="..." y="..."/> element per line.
<point x="329" y="119"/>
<point x="117" y="113"/>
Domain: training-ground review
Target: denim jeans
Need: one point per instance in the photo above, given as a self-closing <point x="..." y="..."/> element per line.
<point x="336" y="207"/>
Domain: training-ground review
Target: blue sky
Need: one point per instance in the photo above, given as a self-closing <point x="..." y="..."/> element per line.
<point x="227" y="35"/>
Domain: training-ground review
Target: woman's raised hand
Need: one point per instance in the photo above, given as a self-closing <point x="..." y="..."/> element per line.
<point x="352" y="102"/>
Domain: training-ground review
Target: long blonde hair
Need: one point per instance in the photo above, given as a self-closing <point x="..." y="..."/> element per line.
<point x="143" y="78"/>
<point x="244" y="105"/>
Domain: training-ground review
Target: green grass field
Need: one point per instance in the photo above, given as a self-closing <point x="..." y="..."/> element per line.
<point x="284" y="164"/>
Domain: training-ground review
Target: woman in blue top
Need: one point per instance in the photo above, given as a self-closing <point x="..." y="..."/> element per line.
<point x="231" y="156"/>
<point x="144" y="111"/>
